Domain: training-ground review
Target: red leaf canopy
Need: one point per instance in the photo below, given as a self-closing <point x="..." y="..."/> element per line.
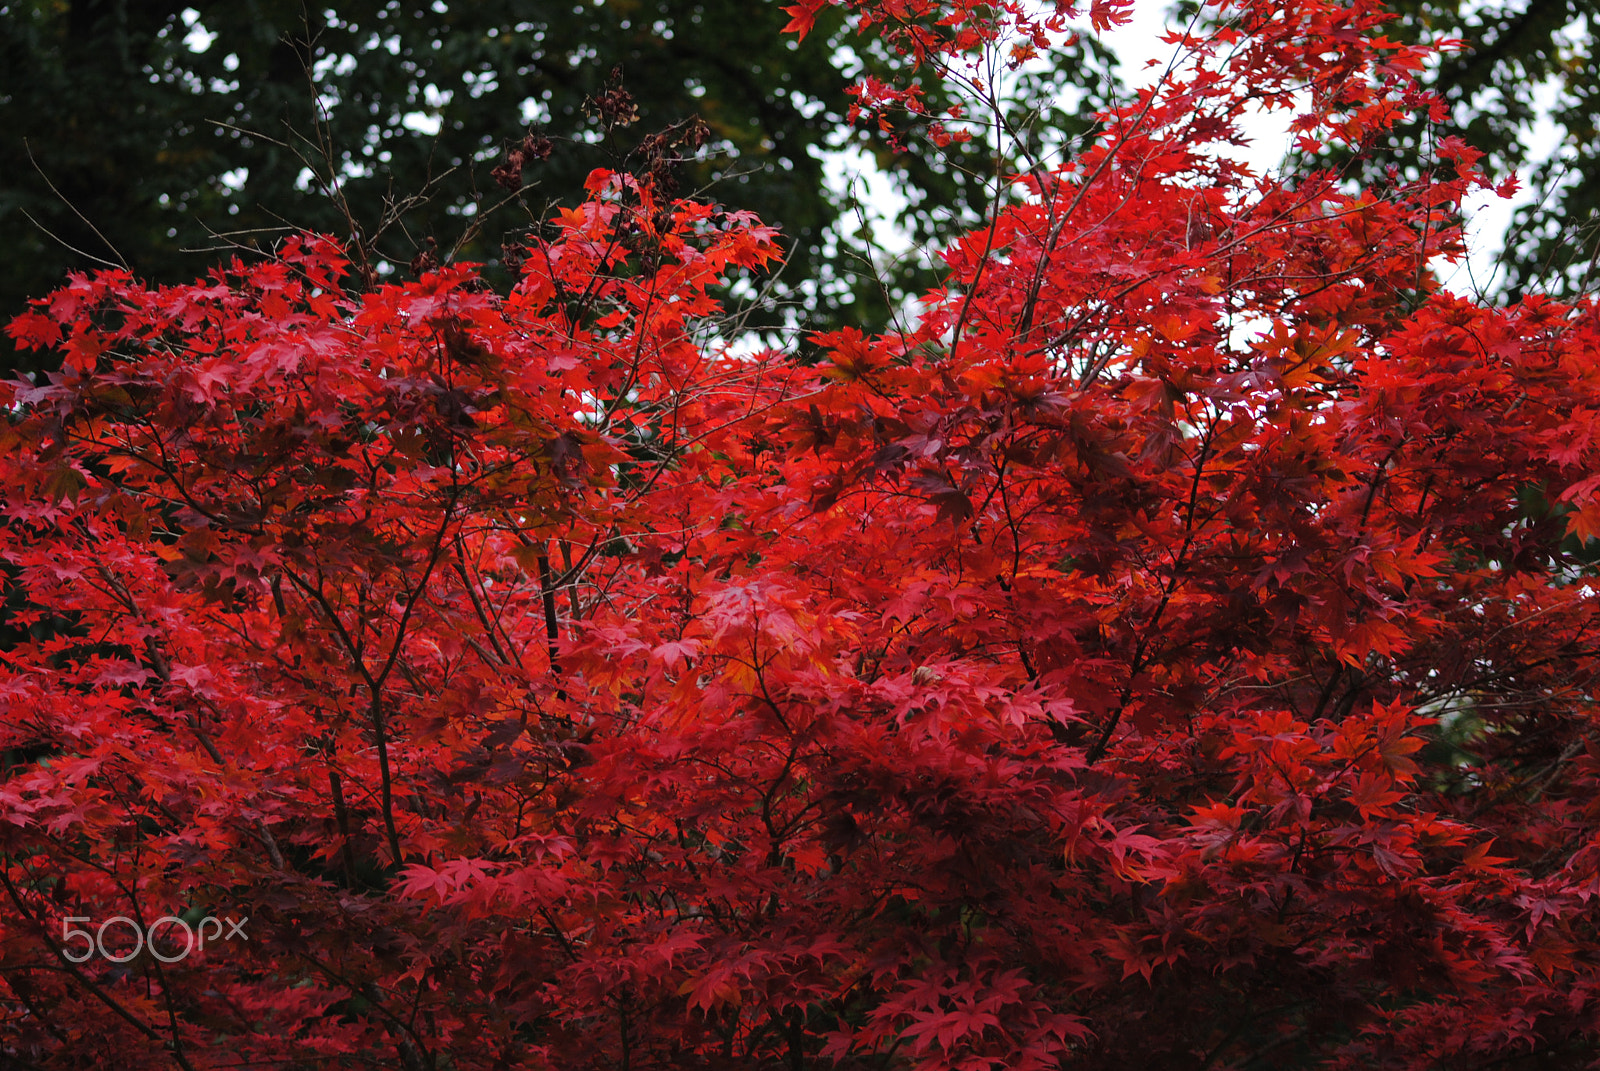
<point x="1173" y="650"/>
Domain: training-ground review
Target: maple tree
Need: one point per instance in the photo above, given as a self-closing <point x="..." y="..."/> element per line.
<point x="1175" y="649"/>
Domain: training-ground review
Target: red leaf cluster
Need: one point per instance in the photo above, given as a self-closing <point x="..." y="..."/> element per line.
<point x="1175" y="650"/>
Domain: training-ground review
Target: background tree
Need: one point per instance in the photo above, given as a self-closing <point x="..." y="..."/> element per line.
<point x="158" y="145"/>
<point x="163" y="133"/>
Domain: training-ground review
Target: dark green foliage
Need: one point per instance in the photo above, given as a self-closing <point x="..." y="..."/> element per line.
<point x="160" y="154"/>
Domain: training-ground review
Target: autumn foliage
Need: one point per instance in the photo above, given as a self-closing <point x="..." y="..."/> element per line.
<point x="1176" y="649"/>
